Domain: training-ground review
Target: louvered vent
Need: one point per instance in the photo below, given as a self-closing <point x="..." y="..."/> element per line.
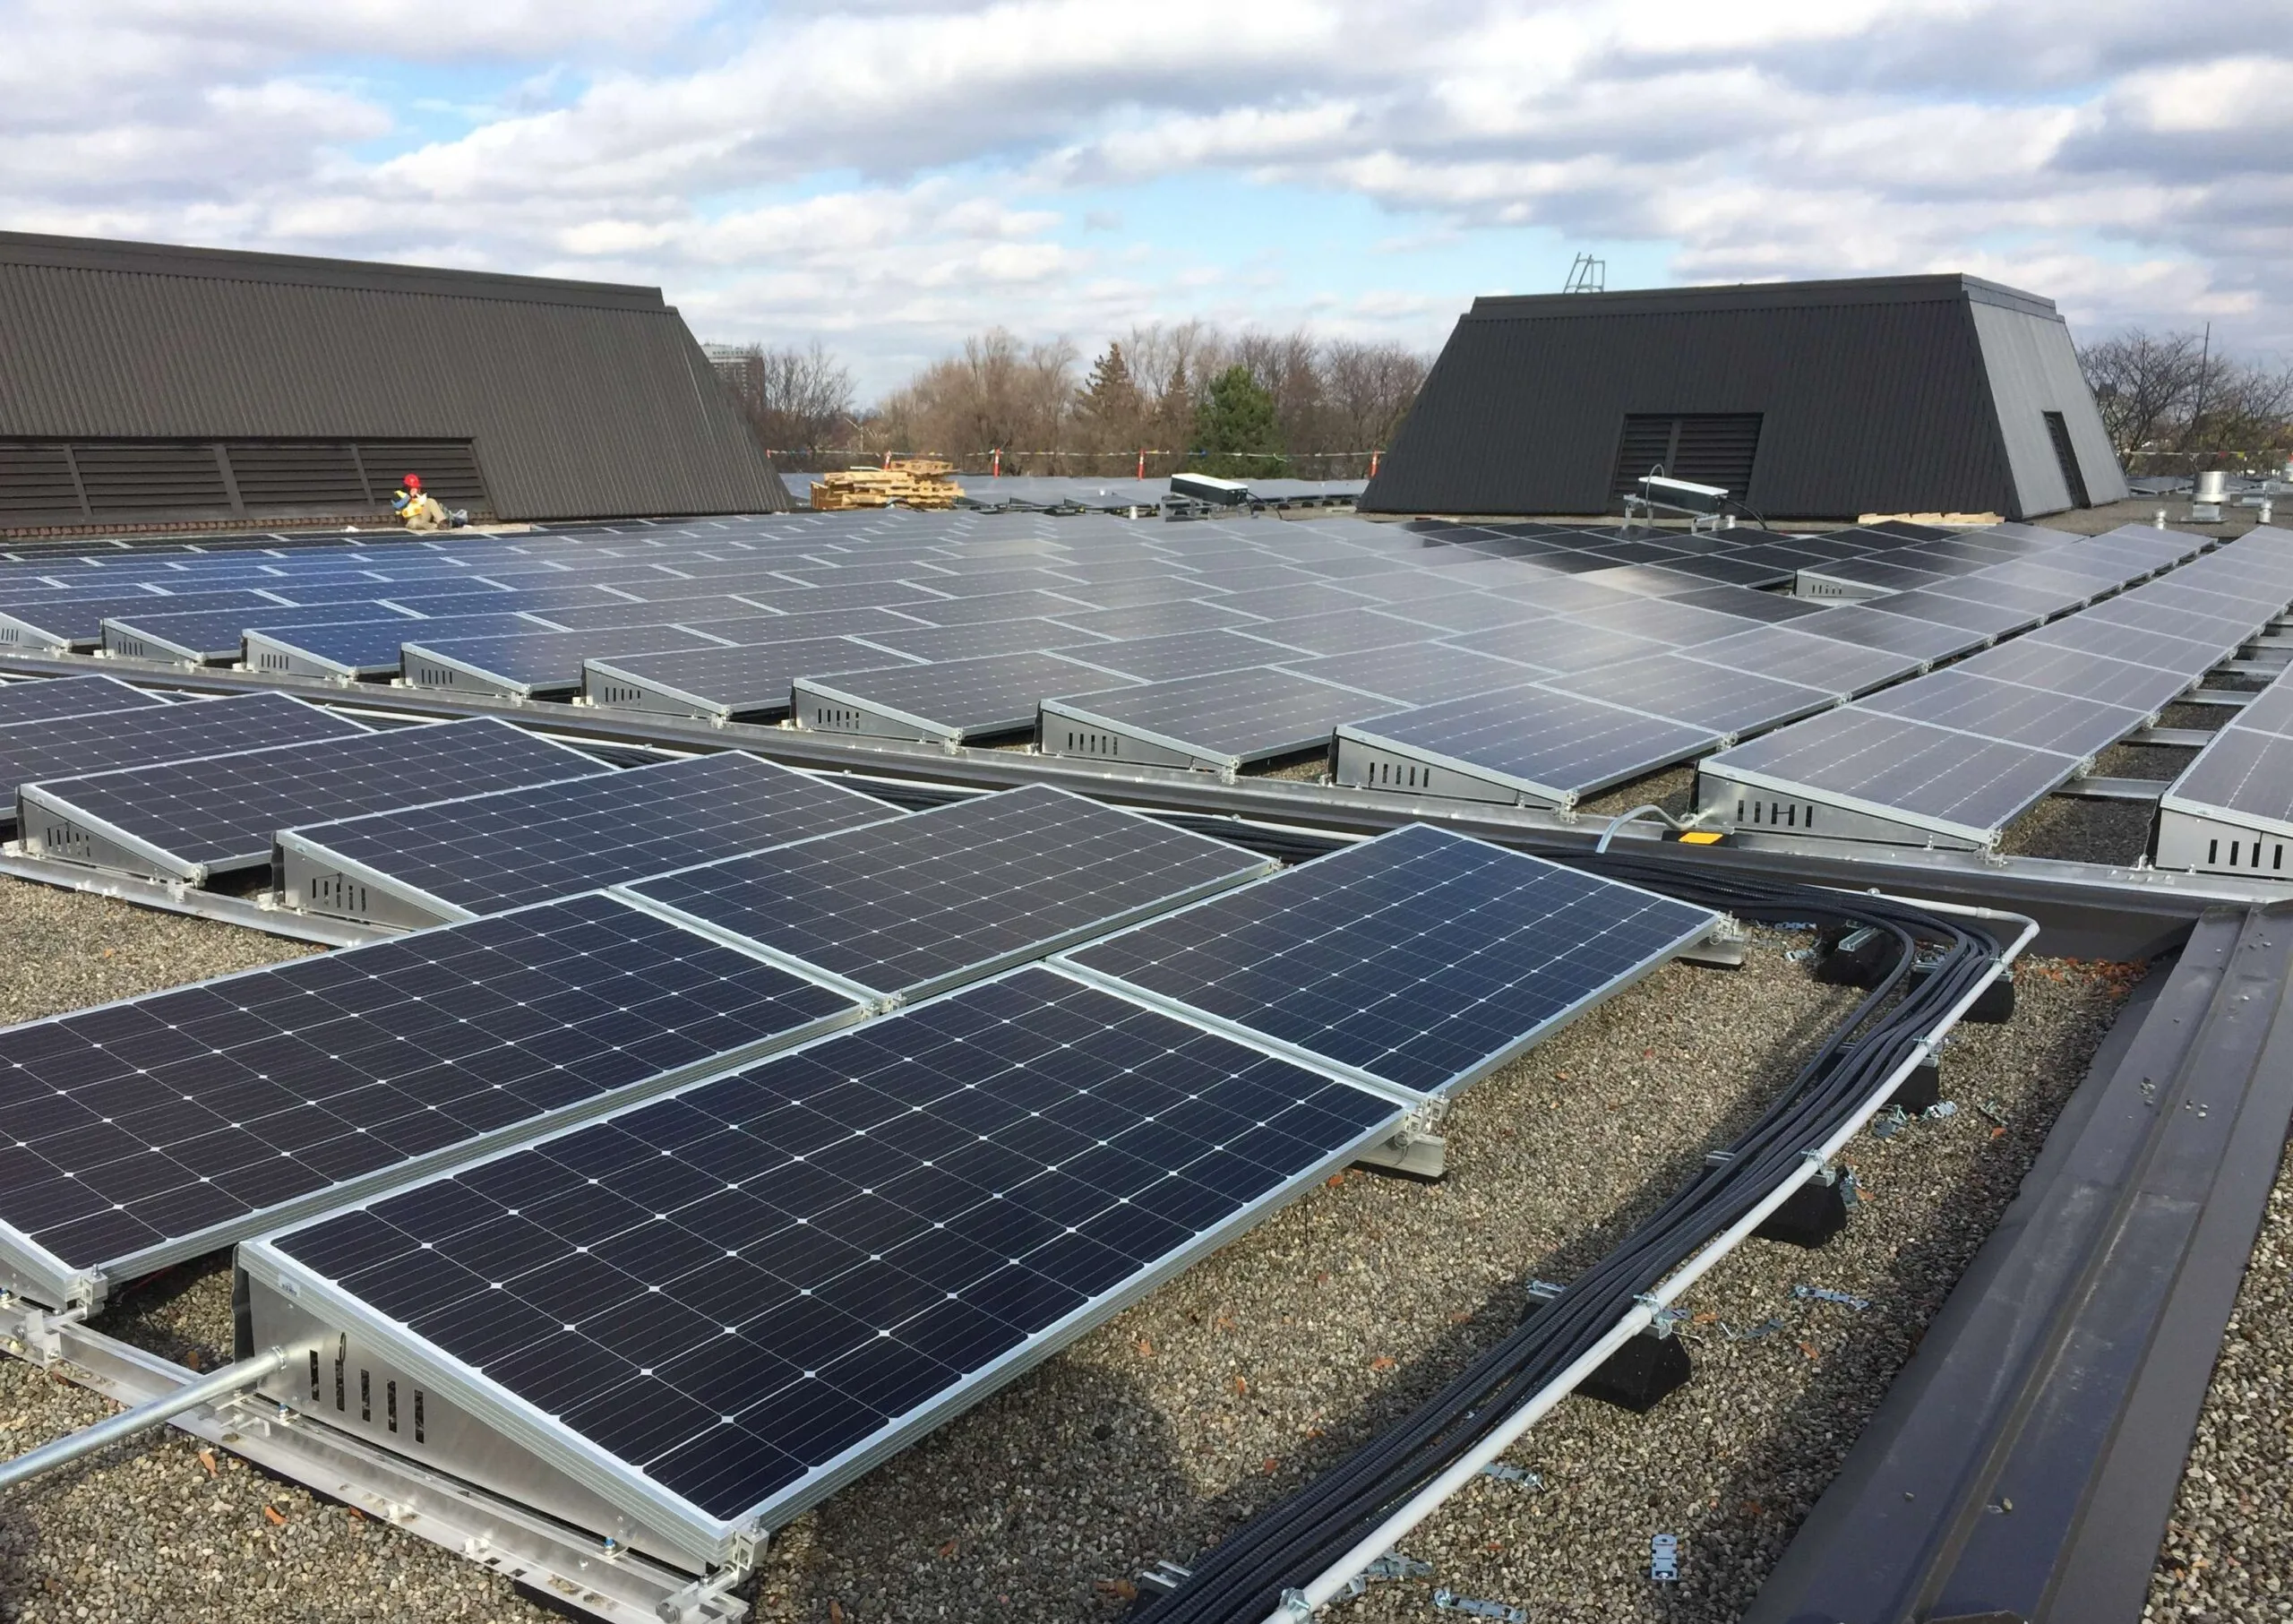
<point x="69" y="483"/>
<point x="299" y="479"/>
<point x="1704" y="448"/>
<point x="37" y="486"/>
<point x="156" y="481"/>
<point x="2066" y="455"/>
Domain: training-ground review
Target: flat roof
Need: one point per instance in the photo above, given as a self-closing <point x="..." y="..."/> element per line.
<point x="1764" y="295"/>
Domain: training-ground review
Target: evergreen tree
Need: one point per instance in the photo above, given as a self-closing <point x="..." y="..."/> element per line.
<point x="1110" y="402"/>
<point x="1234" y="428"/>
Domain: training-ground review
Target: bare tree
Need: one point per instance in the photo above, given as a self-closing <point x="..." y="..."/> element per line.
<point x="999" y="395"/>
<point x="798" y="401"/>
<point x="2174" y="398"/>
<point x="1367" y="390"/>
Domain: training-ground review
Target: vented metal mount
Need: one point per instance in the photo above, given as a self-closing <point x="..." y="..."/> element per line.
<point x="573" y="1570"/>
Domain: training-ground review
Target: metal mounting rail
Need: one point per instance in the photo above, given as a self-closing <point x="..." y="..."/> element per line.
<point x="2024" y="1463"/>
<point x="1337" y="1579"/>
<point x="2089" y="909"/>
<point x="567" y="1568"/>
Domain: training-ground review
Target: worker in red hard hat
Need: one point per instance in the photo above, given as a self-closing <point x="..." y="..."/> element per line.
<point x="418" y="509"/>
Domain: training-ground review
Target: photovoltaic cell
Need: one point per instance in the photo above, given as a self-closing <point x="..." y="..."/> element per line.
<point x="955" y="892"/>
<point x="1421" y="958"/>
<point x="1973" y="703"/>
<point x="1560" y="644"/>
<point x="167" y="1125"/>
<point x="1184" y="654"/>
<point x="748" y="1291"/>
<point x="196" y="818"/>
<point x="1863" y="627"/>
<point x="492" y="851"/>
<point x="960" y="699"/>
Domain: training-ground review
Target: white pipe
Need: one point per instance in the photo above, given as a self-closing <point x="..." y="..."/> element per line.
<point x="1334" y="1579"/>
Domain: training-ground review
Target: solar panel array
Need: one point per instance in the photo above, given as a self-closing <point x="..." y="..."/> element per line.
<point x="915" y="904"/>
<point x="1954" y="756"/>
<point x="191" y="820"/>
<point x="2230" y="811"/>
<point x="137" y="1133"/>
<point x="1524" y="663"/>
<point x="737" y="1297"/>
<point x="485" y="853"/>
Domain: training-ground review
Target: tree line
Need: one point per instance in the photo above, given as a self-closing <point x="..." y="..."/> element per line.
<point x="1184" y="395"/>
<point x="2173" y="401"/>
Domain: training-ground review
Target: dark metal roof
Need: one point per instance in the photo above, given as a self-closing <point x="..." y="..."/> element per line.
<point x="1887" y="395"/>
<point x="582" y="398"/>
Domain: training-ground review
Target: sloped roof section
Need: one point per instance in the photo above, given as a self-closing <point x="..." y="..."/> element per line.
<point x="580" y="399"/>
<point x="1883" y="394"/>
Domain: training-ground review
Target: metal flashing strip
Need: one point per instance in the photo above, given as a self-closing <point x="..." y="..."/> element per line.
<point x="2065" y="1375"/>
<point x="168" y="897"/>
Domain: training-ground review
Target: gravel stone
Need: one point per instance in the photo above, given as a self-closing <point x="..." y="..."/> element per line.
<point x="1169" y="1426"/>
<point x="2228" y="1546"/>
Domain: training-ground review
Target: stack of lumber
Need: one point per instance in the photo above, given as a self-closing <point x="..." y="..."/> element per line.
<point x="911" y="482"/>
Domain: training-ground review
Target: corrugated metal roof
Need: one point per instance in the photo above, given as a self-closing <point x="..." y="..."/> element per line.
<point x="1874" y="394"/>
<point x="582" y="398"/>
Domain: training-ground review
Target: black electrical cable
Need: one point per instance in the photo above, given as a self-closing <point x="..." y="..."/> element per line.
<point x="1242" y="1580"/>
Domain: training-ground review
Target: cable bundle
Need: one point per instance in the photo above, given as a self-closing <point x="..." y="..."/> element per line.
<point x="1242" y="1579"/>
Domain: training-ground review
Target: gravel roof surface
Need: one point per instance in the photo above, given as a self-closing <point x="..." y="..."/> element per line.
<point x="2229" y="1550"/>
<point x="1167" y="1427"/>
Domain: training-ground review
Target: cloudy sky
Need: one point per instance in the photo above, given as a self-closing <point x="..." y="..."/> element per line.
<point x="889" y="175"/>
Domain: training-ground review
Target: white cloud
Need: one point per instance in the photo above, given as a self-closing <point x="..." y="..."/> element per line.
<point x="896" y="172"/>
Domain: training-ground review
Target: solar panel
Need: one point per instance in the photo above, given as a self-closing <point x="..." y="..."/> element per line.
<point x="993" y="606"/>
<point x="139" y="1133"/>
<point x="460" y="859"/>
<point x="193" y="819"/>
<point x="1158" y="660"/>
<point x="952" y="701"/>
<point x="353" y="650"/>
<point x="1901" y="772"/>
<point x="54" y="697"/>
<point x="1560" y="644"/>
<point x="59" y="747"/>
<point x="1417" y="673"/>
<point x="530" y="663"/>
<point x="1866" y="628"/>
<point x="2144" y="612"/>
<point x="1295" y="603"/>
<point x="1421" y="959"/>
<point x="1704" y="696"/>
<point x="1224" y="721"/>
<point x="1156" y="619"/>
<point x="774" y="1281"/>
<point x="2244" y="772"/>
<point x="1346" y="631"/>
<point x="1747" y="604"/>
<point x="1839" y="669"/>
<point x="751" y="680"/>
<point x="1992" y="619"/>
<point x="213" y="635"/>
<point x="954" y="893"/>
<point x="985" y="638"/>
<point x="78" y="623"/>
<point x="2094" y="676"/>
<point x="2158" y="650"/>
<point x="1970" y="702"/>
<point x="1457" y="612"/>
<point x="1662" y="620"/>
<point x="1528" y="745"/>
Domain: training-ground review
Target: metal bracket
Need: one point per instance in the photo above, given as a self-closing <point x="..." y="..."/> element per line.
<point x="1391" y="1566"/>
<point x="1450" y="1601"/>
<point x="1825" y="1173"/>
<point x="1414" y="1149"/>
<point x="37" y="1336"/>
<point x="1664" y="1558"/>
<point x="1661" y="1319"/>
